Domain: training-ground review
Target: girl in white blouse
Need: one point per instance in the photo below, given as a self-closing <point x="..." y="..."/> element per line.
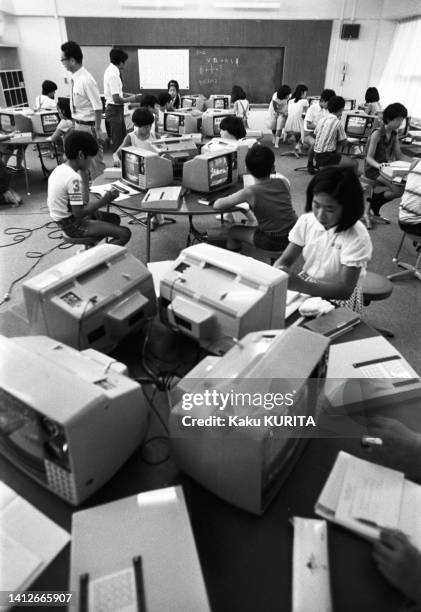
<point x="334" y="243"/>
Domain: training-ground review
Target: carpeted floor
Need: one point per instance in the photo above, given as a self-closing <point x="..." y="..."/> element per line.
<point x="399" y="313"/>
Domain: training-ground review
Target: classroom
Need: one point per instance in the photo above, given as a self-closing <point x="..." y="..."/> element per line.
<point x="210" y="364"/>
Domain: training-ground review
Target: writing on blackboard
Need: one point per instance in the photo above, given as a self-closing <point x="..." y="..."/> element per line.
<point x="223" y="60"/>
<point x="208" y="81"/>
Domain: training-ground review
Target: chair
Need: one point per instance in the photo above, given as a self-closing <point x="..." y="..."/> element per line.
<point x="368" y="218"/>
<point x="408" y="269"/>
<point x="87" y="242"/>
<point x="377" y="287"/>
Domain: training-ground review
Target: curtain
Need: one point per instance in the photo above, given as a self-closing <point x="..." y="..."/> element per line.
<point x="401" y="79"/>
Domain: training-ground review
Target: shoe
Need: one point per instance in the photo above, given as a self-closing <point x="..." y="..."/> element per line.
<point x="311" y="169"/>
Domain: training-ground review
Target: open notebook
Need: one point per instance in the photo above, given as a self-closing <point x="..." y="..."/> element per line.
<point x="365" y="497"/>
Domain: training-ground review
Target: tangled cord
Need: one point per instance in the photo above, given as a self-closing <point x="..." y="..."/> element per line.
<point x="20" y="234"/>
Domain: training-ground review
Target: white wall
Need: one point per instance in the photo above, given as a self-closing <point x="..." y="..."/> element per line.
<point x="39" y="53"/>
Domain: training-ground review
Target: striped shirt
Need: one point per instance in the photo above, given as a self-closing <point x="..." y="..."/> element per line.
<point x="329" y="132"/>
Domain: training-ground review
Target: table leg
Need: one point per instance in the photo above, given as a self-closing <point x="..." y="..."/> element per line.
<point x="26" y="171"/>
<point x="148" y="236"/>
<point x="44" y="169"/>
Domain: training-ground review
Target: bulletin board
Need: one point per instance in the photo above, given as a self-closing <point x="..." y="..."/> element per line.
<point x="158" y="66"/>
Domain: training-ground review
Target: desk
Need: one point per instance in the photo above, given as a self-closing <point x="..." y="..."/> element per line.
<point x="189" y="207"/>
<point x="22" y="143"/>
<point x="246" y="560"/>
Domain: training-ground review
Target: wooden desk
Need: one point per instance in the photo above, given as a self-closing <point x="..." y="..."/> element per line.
<point x="246" y="560"/>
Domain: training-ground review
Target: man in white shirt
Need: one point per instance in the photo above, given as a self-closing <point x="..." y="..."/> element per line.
<point x="114" y="97"/>
<point x="316" y="111"/>
<point x="85" y="101"/>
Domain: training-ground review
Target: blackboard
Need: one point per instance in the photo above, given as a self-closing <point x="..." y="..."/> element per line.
<point x="257" y="70"/>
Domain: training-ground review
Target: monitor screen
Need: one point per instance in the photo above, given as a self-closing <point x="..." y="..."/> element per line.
<point x="219" y="169"/>
<point x="133" y="166"/>
<point x="404" y="127"/>
<point x="7" y="122"/>
<point x="187" y="102"/>
<point x="49" y="122"/>
<point x="217" y="125"/>
<point x="171" y="123"/>
<point x="349" y="104"/>
<point x="220" y="103"/>
<point x="355" y="126"/>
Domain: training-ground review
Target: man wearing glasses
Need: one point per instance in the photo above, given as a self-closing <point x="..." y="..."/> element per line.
<point x="85" y="101"/>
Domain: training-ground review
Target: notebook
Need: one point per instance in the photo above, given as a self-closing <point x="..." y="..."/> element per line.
<point x="334" y="323"/>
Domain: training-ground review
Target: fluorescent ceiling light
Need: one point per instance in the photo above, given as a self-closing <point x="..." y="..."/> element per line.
<point x="244" y="5"/>
<point x="151" y="4"/>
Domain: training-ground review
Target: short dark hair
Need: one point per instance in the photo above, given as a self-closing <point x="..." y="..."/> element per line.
<point x="48" y="87"/>
<point x="233" y="125"/>
<point x="260" y="160"/>
<point x="77" y="141"/>
<point x="327" y="94"/>
<point x="72" y="50"/>
<point x="283" y="92"/>
<point x="142" y="116"/>
<point x="335" y="104"/>
<point x="174" y="83"/>
<point x="393" y="111"/>
<point x="63" y="104"/>
<point x="148" y="100"/>
<point x="342" y="185"/>
<point x="163" y="98"/>
<point x="118" y="56"/>
<point x="372" y="95"/>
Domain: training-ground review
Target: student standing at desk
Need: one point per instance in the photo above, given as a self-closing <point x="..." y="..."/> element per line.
<point x="114" y="97"/>
<point x="85" y="101"/>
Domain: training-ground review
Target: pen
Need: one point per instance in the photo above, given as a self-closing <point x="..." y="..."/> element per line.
<point x="369" y="523"/>
<point x="371" y="441"/>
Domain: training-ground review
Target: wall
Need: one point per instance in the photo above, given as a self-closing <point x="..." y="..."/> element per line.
<point x="366" y="56"/>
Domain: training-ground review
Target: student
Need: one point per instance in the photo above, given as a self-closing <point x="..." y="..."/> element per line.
<point x="330" y="134"/>
<point x="270" y="201"/>
<point x="164" y="103"/>
<point x="382" y="148"/>
<point x="65" y="124"/>
<point x="173" y="89"/>
<point x="410" y="204"/>
<point x="150" y="102"/>
<point x="396" y="557"/>
<point x="315" y="112"/>
<point x="372" y="104"/>
<point x="294" y="125"/>
<point x="7" y="194"/>
<point x="68" y="198"/>
<point x="241" y="104"/>
<point x="85" y="101"/>
<point x="278" y="112"/>
<point x="46" y="101"/>
<point x="114" y="96"/>
<point x="334" y="243"/>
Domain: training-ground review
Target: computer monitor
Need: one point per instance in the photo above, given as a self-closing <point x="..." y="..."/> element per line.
<point x="11" y="120"/>
<point x="220" y="101"/>
<point x="178" y="150"/>
<point x="313" y="100"/>
<point x="68" y="419"/>
<point x="272" y="378"/>
<point x="358" y="125"/>
<point x="91" y="300"/>
<point x="349" y="104"/>
<point x="45" y="122"/>
<point x="240" y="146"/>
<point x="211" y="122"/>
<point x="216" y="298"/>
<point x="403" y="129"/>
<point x="143" y="169"/>
<point x="189" y="100"/>
<point x="211" y="172"/>
<point x="182" y="122"/>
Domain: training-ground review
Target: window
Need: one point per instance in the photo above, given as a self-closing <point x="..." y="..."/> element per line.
<point x="13" y="88"/>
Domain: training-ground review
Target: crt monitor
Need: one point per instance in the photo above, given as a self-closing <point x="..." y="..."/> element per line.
<point x="178" y="150"/>
<point x="189" y="101"/>
<point x="11" y="120"/>
<point x="220" y="101"/>
<point x="143" y="169"/>
<point x="403" y="129"/>
<point x="273" y="377"/>
<point x="182" y="122"/>
<point x="215" y="298"/>
<point x="91" y="300"/>
<point x="45" y="123"/>
<point x="313" y="100"/>
<point x="68" y="419"/>
<point x="350" y="104"/>
<point x="358" y="125"/>
<point x="210" y="172"/>
<point x="240" y="146"/>
<point x="211" y="122"/>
